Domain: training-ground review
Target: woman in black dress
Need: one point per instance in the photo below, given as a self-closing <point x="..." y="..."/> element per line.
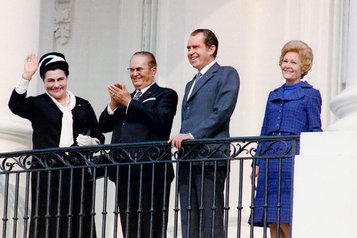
<point x="58" y="119"/>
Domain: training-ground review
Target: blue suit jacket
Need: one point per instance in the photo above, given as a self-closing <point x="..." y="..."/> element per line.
<point x="207" y="112"/>
<point x="298" y="112"/>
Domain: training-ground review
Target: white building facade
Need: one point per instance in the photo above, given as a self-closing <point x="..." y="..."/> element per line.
<point x="99" y="36"/>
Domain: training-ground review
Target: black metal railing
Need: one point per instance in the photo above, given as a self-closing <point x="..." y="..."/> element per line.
<point x="66" y="192"/>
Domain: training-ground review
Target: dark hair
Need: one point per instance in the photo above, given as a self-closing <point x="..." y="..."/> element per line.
<point x="209" y="38"/>
<point x="52" y="61"/>
<point x="152" y="61"/>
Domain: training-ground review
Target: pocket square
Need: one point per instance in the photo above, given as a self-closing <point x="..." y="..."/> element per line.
<point x="149" y="99"/>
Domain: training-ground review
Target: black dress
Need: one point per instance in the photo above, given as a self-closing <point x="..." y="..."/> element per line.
<point x="72" y="187"/>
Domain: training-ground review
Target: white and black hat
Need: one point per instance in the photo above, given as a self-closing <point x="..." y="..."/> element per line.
<point x="52" y="61"/>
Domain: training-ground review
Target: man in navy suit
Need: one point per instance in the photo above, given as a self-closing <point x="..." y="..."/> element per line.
<point x="209" y="101"/>
<point x="145" y="115"/>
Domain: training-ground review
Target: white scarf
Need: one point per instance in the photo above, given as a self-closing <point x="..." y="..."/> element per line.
<point x="66" y="137"/>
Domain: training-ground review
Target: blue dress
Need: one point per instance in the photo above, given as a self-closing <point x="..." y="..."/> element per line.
<point x="290" y="110"/>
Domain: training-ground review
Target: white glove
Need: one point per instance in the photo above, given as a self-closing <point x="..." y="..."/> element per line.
<point x="83" y="140"/>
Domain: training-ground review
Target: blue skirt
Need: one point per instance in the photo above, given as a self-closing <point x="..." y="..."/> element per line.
<point x="268" y="180"/>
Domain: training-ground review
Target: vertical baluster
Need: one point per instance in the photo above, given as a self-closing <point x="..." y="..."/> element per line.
<point x="165" y="200"/>
<point x="70" y="205"/>
<point x="152" y="193"/>
<point x="26" y="208"/>
<point x="201" y="207"/>
<point x="240" y="198"/>
<point x="294" y="144"/>
<point x="139" y="212"/>
<point x="6" y="201"/>
<point x="81" y="214"/>
<point x="266" y="206"/>
<point x="92" y="213"/>
<point x="189" y="202"/>
<point x="226" y="199"/>
<point x="176" y="209"/>
<point x="59" y="204"/>
<point x="252" y="195"/>
<point x="116" y="204"/>
<point x="105" y="199"/>
<point x="16" y="203"/>
<point x="214" y="202"/>
<point x="37" y="201"/>
<point x="48" y="204"/>
<point x="128" y="211"/>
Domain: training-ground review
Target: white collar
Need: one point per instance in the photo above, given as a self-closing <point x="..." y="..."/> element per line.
<point x="207" y="67"/>
<point x="143" y="90"/>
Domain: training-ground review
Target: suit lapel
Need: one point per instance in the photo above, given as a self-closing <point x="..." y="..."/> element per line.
<point x="277" y="94"/>
<point x="296" y="94"/>
<point x="206" y="77"/>
<point x="187" y="90"/>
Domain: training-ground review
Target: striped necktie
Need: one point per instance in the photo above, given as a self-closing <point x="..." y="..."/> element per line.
<point x="137" y="95"/>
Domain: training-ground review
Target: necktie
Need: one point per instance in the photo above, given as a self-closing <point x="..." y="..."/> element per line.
<point x="137" y="95"/>
<point x="198" y="76"/>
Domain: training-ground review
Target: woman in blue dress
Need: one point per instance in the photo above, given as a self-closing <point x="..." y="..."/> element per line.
<point x="293" y="108"/>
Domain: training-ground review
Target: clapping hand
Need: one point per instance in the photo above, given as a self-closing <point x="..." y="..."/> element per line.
<point x="119" y="95"/>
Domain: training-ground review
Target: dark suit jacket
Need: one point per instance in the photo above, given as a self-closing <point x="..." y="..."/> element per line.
<point x="207" y="112"/>
<point x="147" y="119"/>
<point x="46" y="119"/>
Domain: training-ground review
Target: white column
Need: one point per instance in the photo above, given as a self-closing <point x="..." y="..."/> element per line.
<point x="20" y="24"/>
<point x="344" y="105"/>
<point x="19" y="21"/>
<point x="325" y="193"/>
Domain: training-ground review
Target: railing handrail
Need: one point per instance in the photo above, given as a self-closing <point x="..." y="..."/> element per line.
<point x="150" y="143"/>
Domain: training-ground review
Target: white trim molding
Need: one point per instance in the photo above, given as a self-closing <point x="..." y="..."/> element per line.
<point x="149" y="25"/>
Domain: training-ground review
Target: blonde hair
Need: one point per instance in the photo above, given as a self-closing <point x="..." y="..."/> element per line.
<point x="304" y="51"/>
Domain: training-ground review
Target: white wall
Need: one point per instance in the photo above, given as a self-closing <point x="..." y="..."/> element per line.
<point x="325" y="195"/>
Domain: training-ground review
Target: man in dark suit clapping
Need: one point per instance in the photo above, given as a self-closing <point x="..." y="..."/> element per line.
<point x="209" y="101"/>
<point x="144" y="115"/>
